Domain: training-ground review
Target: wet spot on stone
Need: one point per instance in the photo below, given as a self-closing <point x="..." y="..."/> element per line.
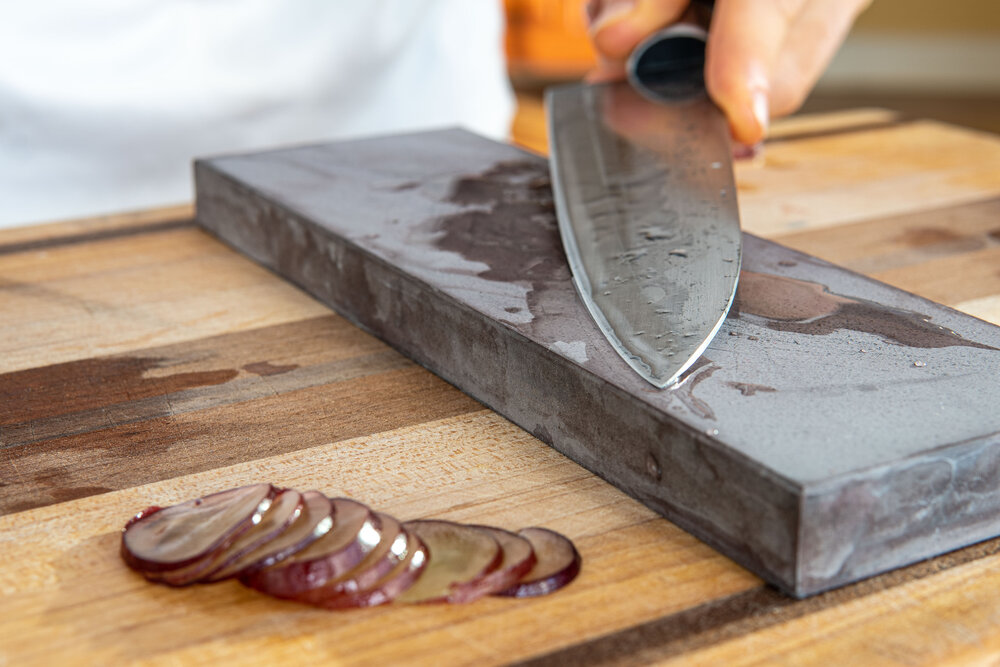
<point x="748" y="389"/>
<point x="493" y="234"/>
<point x="787" y="263"/>
<point x="512" y="309"/>
<point x="700" y="370"/>
<point x="653" y="467"/>
<point x="805" y="307"/>
<point x="264" y="368"/>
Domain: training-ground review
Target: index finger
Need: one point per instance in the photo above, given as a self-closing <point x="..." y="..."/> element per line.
<point x="743" y="46"/>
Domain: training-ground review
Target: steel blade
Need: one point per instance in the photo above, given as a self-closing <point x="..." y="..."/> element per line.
<point x="647" y="211"/>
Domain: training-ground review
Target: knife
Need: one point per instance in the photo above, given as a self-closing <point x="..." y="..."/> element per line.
<point x="646" y="204"/>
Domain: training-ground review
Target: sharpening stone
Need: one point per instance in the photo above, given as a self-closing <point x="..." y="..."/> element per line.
<point x="835" y="428"/>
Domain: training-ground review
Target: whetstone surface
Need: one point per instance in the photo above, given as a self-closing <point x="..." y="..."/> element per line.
<point x="835" y="428"/>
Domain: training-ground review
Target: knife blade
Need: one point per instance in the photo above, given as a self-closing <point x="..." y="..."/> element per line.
<point x="646" y="205"/>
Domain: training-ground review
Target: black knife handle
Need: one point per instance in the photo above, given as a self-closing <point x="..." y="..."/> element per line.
<point x="670" y="64"/>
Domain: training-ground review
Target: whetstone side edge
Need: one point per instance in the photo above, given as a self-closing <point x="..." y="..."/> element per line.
<point x="445" y="245"/>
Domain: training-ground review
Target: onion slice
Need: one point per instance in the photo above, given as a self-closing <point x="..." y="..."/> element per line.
<point x="356" y="587"/>
<point x="459" y="557"/>
<point x="284" y="508"/>
<point x="356" y="531"/>
<point x="315" y="521"/>
<point x="284" y="511"/>
<point x="518" y="559"/>
<point x="389" y="587"/>
<point x="161" y="540"/>
<point x="558" y="563"/>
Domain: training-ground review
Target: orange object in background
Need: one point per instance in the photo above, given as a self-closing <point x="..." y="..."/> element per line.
<point x="547" y="41"/>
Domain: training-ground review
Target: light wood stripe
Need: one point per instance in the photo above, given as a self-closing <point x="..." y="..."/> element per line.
<point x="882" y="244"/>
<point x="95" y="235"/>
<point x="69" y="229"/>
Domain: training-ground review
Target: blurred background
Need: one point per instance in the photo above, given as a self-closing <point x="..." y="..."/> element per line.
<point x="923" y="58"/>
<point x="102" y="111"/>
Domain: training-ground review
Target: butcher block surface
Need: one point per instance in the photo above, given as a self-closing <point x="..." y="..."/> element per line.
<point x="145" y="362"/>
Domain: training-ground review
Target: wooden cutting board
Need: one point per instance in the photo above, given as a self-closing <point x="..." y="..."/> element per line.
<point x="142" y="361"/>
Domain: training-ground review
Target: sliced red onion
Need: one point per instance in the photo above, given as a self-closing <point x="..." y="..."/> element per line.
<point x="380" y="561"/>
<point x="459" y="556"/>
<point x="356" y="531"/>
<point x="558" y="563"/>
<point x="161" y="540"/>
<point x="518" y="559"/>
<point x="315" y="521"/>
<point x="389" y="587"/>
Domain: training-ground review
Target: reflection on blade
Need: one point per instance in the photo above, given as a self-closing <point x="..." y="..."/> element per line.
<point x="647" y="211"/>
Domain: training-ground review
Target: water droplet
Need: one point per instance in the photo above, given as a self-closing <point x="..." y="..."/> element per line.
<point x="632" y="255"/>
<point x="678" y="252"/>
<point x="919" y="364"/>
<point x="716" y="165"/>
<point x="653" y="467"/>
<point x="607" y="293"/>
<point x="639" y="333"/>
<point x="712" y="431"/>
<point x="655" y="233"/>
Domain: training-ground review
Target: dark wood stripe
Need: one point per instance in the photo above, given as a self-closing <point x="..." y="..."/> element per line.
<point x="215" y="390"/>
<point x="85" y="427"/>
<point x="739" y="615"/>
<point x="100" y="235"/>
<point x="840" y="131"/>
<point x="74" y="389"/>
<point x="132" y="454"/>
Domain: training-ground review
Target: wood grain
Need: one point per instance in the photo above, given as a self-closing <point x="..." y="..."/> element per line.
<point x="19" y="239"/>
<point x="900" y="241"/>
<point x="157" y="365"/>
<point x="76" y="301"/>
<point x="476" y="467"/>
<point x="147" y="447"/>
<point x="873" y="173"/>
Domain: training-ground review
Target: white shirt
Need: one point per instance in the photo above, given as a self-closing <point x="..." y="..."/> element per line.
<point x="104" y="103"/>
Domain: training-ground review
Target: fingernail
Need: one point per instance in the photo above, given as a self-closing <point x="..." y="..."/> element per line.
<point x="743" y="151"/>
<point x="761" y="113"/>
<point x="611" y="13"/>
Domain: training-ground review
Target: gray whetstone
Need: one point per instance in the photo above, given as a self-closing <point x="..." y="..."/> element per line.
<point x="835" y="428"/>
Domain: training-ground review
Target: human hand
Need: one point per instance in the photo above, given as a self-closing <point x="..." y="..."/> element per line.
<point x="762" y="57"/>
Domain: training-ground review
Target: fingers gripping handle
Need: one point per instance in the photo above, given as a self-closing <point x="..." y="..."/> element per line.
<point x="670" y="64"/>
